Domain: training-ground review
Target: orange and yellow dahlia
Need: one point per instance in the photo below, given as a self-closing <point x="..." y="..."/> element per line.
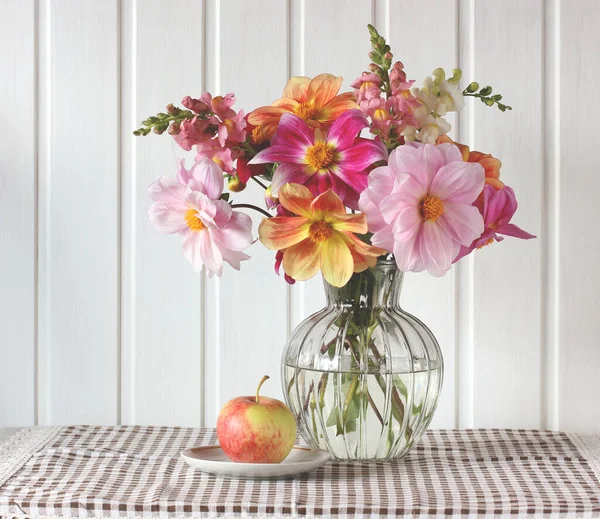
<point x="320" y="237"/>
<point x="313" y="100"/>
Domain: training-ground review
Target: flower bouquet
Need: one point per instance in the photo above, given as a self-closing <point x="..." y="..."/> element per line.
<point x="361" y="211"/>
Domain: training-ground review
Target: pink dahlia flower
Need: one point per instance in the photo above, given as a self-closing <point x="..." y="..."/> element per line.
<point x="212" y="232"/>
<point x="336" y="161"/>
<point x="497" y="206"/>
<point x="420" y="206"/>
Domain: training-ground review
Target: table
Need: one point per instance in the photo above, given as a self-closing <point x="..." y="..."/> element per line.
<point x="131" y="471"/>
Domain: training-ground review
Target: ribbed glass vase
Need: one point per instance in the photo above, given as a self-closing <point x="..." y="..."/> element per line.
<point x="362" y="376"/>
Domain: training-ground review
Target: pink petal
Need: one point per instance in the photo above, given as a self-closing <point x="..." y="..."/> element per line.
<point x="362" y="154"/>
<point x="293" y="132"/>
<point x="369" y="204"/>
<point x="166" y="189"/>
<point x="210" y="177"/>
<point x="450" y="152"/>
<point x="346" y="128"/>
<point x="407" y="223"/>
<point x="234" y="257"/>
<point x="408" y="196"/>
<point x="406" y="160"/>
<point x="511" y="229"/>
<point x="206" y="208"/>
<point x="191" y="249"/>
<point x="431" y="160"/>
<point x="280" y="153"/>
<point x="384" y="238"/>
<point x="223" y="213"/>
<point x="288" y="173"/>
<point x="459" y="182"/>
<point x="437" y="249"/>
<point x="235" y="235"/>
<point x="183" y="175"/>
<point x="464" y="251"/>
<point x="463" y="223"/>
<point x="356" y="180"/>
<point x="407" y="255"/>
<point x="168" y="217"/>
<point x="210" y="253"/>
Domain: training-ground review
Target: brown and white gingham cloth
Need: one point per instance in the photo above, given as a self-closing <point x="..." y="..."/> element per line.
<point x="132" y="472"/>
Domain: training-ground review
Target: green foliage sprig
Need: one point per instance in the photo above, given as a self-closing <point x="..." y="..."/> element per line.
<point x="381" y="58"/>
<point x="160" y="122"/>
<point x="484" y="95"/>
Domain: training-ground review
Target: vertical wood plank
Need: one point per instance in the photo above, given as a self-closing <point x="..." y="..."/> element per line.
<point x="433" y="300"/>
<point x="18" y="214"/>
<point x="79" y="193"/>
<point x="507" y="276"/>
<point x="246" y="311"/>
<point x="577" y="214"/>
<point x="162" y="322"/>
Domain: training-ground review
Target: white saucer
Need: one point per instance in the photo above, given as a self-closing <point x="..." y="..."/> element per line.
<point x="213" y="460"/>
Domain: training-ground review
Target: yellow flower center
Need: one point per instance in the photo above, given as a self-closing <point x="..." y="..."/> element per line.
<point x="489" y="241"/>
<point x="320" y="155"/>
<point x="431" y="208"/>
<point x="306" y="111"/>
<point x="320" y="231"/>
<point x="193" y="221"/>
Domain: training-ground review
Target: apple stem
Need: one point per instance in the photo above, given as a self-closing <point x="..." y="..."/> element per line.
<point x="262" y="381"/>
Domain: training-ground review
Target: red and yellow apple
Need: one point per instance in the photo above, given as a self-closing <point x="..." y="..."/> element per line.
<point x="253" y="429"/>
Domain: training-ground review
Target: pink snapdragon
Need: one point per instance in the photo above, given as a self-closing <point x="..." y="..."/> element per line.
<point x="223" y="157"/>
<point x="497" y="206"/>
<point x="367" y="86"/>
<point x="420" y="206"/>
<point x="213" y="233"/>
<point x="192" y="132"/>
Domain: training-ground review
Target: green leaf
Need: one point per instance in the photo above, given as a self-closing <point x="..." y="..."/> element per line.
<point x="333" y="417"/>
<point x="353" y="411"/>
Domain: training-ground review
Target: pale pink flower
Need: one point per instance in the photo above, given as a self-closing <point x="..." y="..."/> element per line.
<point x="193" y="132"/>
<point x="398" y="82"/>
<point x="195" y="105"/>
<point x="420" y="206"/>
<point x="212" y="150"/>
<point x="497" y="206"/>
<point x="232" y="128"/>
<point x="367" y="86"/>
<point x="213" y="233"/>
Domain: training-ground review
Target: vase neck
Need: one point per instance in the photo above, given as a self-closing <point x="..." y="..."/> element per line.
<point x="375" y="287"/>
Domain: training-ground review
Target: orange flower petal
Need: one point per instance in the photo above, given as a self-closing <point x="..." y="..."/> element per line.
<point x="337" y="264"/>
<point x="287" y="104"/>
<point x="495" y="183"/>
<point x="361" y="247"/>
<point x="351" y="223"/>
<point x="297" y="88"/>
<point x="297" y="199"/>
<point x="491" y="165"/>
<point x="337" y="106"/>
<point x="323" y="88"/>
<point x="265" y="114"/>
<point x="326" y="203"/>
<point x="302" y="261"/>
<point x="282" y="232"/>
<point x="362" y="262"/>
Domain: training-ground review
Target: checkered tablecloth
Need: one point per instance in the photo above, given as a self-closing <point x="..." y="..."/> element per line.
<point x="137" y="472"/>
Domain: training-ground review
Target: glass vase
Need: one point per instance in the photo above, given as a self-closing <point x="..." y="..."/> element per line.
<point x="362" y="376"/>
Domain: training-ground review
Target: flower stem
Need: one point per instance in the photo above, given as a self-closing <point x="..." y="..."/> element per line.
<point x="259" y="183"/>
<point x="250" y="206"/>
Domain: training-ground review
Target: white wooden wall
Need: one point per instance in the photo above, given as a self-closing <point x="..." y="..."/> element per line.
<point x="103" y="321"/>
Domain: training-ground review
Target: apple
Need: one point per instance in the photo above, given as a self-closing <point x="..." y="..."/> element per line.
<point x="256" y="429"/>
